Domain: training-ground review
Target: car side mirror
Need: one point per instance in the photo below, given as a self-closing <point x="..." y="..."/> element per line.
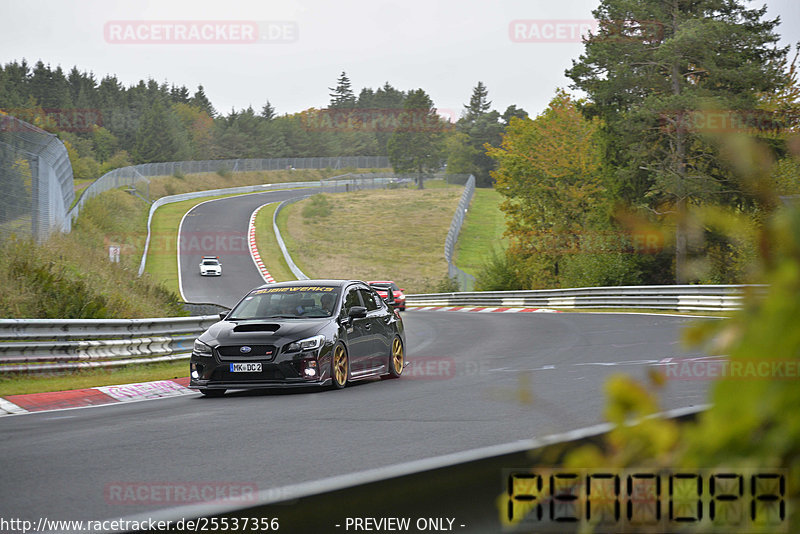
<point x="222" y="315"/>
<point x="357" y="312"/>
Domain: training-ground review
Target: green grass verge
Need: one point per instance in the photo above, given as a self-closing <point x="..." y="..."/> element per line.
<point x="359" y="239"/>
<point x="268" y="247"/>
<point x="482" y="231"/>
<point x="291" y="244"/>
<point x="21" y="384"/>
<point x="162" y="257"/>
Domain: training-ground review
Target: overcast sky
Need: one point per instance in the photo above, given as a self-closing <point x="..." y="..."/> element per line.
<point x="444" y="47"/>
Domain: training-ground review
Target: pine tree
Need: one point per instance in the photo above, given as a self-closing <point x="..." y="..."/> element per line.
<point x="154" y="138"/>
<point x="511" y="112"/>
<point x="179" y="94"/>
<point x="342" y="96"/>
<point x="645" y="79"/>
<point x="416" y="145"/>
<point x="478" y="103"/>
<point x="268" y="111"/>
<point x="200" y="100"/>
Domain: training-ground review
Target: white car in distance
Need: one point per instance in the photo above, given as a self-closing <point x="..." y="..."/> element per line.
<point x="210" y="266"/>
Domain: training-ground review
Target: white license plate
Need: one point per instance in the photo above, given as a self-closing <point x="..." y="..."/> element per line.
<point x="245" y="368"/>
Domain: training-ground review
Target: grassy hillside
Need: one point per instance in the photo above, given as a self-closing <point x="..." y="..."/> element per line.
<point x="395" y="234"/>
<point x="482" y="230"/>
<point x="70" y="275"/>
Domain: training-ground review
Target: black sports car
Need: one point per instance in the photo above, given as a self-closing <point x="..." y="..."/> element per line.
<point x="310" y="332"/>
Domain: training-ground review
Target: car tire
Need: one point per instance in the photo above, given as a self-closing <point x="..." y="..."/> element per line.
<point x="340" y="366"/>
<point x="397" y="358"/>
<point x="212" y="392"/>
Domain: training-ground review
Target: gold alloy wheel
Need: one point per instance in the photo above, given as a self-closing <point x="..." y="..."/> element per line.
<point x="340" y="366"/>
<point x="397" y="355"/>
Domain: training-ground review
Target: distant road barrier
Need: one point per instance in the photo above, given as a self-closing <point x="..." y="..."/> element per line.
<point x="679" y="298"/>
<point x="466" y="491"/>
<point x="139" y="175"/>
<point x="465" y="280"/>
<point x="300" y="275"/>
<point x="46" y="345"/>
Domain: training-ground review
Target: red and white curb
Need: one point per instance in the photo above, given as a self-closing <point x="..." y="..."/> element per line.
<point x="97" y="396"/>
<point x="482" y="309"/>
<point x="251" y="239"/>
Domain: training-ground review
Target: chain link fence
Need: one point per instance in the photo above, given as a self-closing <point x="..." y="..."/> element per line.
<point x="137" y="177"/>
<point x="36" y="186"/>
<point x="466" y="282"/>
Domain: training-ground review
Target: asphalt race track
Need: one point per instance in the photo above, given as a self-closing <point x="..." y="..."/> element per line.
<point x="223" y="224"/>
<point x="475" y="379"/>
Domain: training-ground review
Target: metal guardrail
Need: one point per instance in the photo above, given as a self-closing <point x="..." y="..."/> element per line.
<point x="465" y="281"/>
<point x="680" y="298"/>
<point x="300" y="275"/>
<point x="46" y="345"/>
<point x="469" y="487"/>
<point x="34" y="345"/>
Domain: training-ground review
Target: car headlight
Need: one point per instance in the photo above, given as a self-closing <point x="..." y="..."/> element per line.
<point x="310" y="343"/>
<point x="201" y="348"/>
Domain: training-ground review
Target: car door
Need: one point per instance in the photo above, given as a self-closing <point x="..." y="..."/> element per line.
<point x="356" y="331"/>
<point x="379" y="331"/>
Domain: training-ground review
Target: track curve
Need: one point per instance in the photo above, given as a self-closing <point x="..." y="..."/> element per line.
<point x="474" y="380"/>
<point x="219" y="228"/>
<point x="496" y="378"/>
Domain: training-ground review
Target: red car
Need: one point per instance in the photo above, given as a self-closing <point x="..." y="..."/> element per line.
<point x="383" y="287"/>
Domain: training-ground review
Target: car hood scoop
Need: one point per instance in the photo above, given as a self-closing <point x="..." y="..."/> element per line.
<point x="256" y="327"/>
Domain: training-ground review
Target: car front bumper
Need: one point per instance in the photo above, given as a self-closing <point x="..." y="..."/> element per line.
<point x="283" y="371"/>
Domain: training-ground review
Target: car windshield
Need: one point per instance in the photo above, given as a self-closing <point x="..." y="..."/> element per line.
<point x="209" y="262"/>
<point x="287" y="303"/>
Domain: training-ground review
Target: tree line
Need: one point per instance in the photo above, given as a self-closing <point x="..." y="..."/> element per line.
<point x="656" y="175"/>
<point x="105" y="124"/>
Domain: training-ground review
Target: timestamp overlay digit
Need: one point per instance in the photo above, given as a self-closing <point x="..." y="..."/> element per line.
<point x="726" y="493"/>
<point x="768" y="504"/>
<point x="524" y="496"/>
<point x="644" y="498"/>
<point x="685" y="497"/>
<point x="565" y="491"/>
<point x="602" y="498"/>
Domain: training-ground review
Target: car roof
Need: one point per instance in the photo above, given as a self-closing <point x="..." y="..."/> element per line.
<point x="383" y="282"/>
<point x="308" y="283"/>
